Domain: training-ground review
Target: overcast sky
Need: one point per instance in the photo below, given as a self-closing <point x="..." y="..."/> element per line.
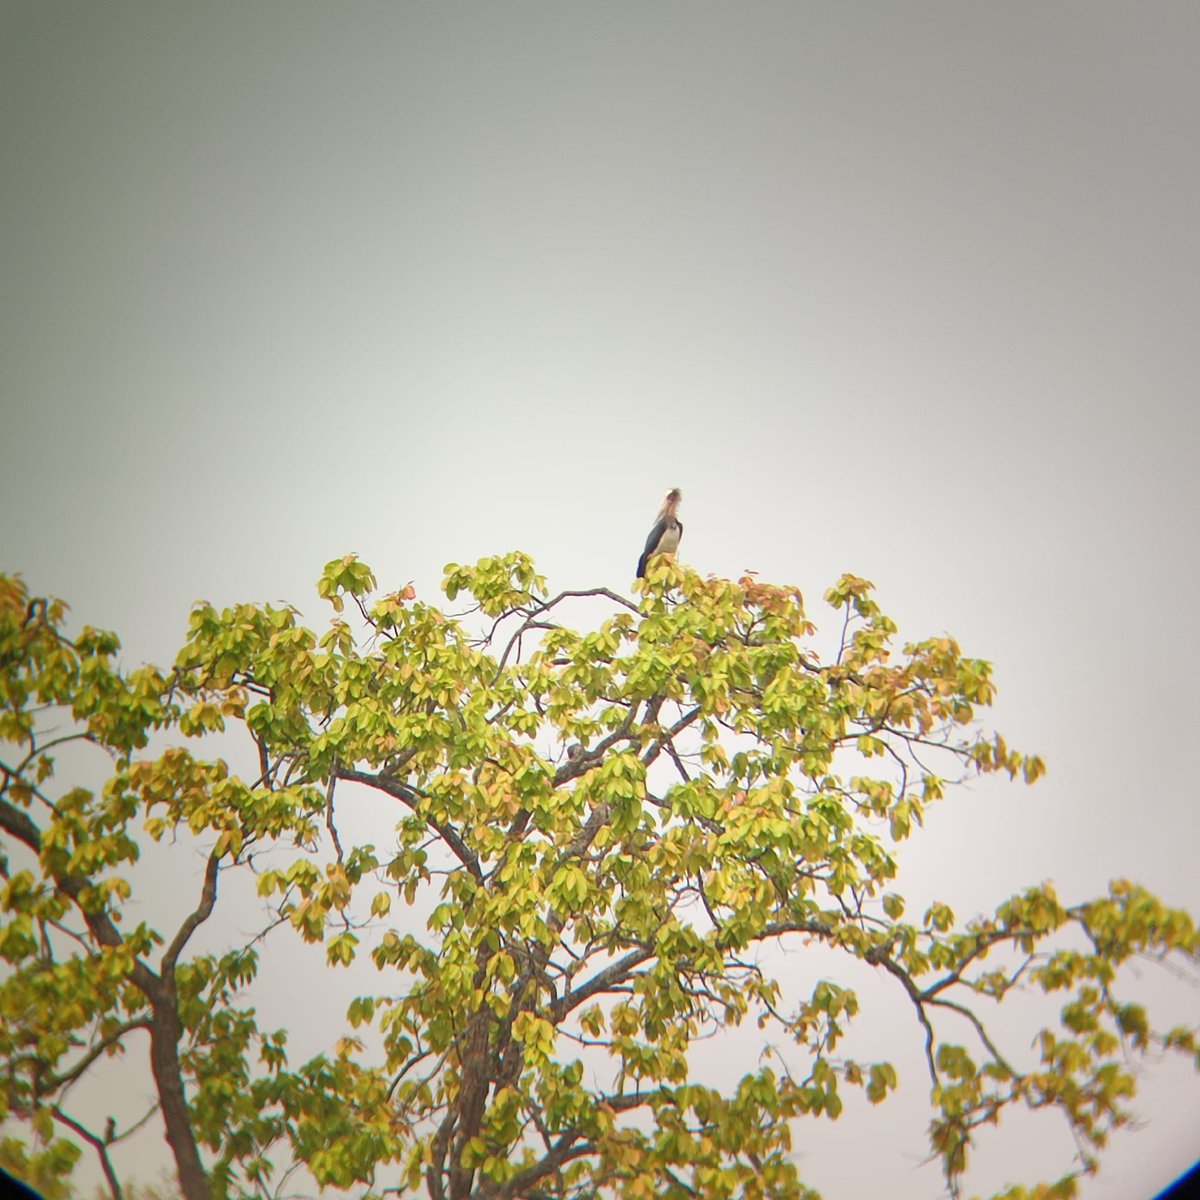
<point x="909" y="290"/>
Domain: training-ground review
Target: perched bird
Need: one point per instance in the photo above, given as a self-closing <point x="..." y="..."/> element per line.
<point x="668" y="529"/>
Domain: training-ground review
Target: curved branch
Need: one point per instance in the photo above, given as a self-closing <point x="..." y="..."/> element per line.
<point x="333" y="833"/>
<point x="565" y="1151"/>
<point x="125" y="1133"/>
<point x="97" y="1143"/>
<point x="587" y="759"/>
<point x="37" y="751"/>
<point x="165" y="1029"/>
<point x="918" y="999"/>
<point x="545" y="606"/>
<point x="667" y="739"/>
<point x="602" y="981"/>
<point x="53" y="1082"/>
<point x="410" y="798"/>
<point x="18" y="823"/>
<point x="984" y="943"/>
<point x="980" y="1030"/>
<point x="196" y="918"/>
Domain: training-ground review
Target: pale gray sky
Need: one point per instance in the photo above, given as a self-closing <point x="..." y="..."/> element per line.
<point x="904" y="289"/>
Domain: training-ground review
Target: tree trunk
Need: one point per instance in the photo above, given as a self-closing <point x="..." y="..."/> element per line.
<point x="165" y="1033"/>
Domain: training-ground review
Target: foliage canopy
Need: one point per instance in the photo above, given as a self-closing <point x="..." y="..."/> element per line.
<point x="600" y="836"/>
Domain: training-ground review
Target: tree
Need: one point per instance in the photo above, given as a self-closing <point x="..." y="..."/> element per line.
<point x="600" y="836"/>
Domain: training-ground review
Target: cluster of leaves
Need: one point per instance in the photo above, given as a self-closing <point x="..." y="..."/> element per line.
<point x="599" y="837"/>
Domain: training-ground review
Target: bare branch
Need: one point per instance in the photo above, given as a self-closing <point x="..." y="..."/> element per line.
<point x="915" y="995"/>
<point x="612" y="975"/>
<point x="985" y="943"/>
<point x="97" y="1143"/>
<point x="583" y="762"/>
<point x="125" y="1133"/>
<point x="667" y="739"/>
<point x="411" y="799"/>
<point x="544" y="606"/>
<point x="564" y="1151"/>
<point x="333" y="833"/>
<point x="58" y="741"/>
<point x="979" y="1029"/>
<point x="196" y="918"/>
<point x="53" y="1082"/>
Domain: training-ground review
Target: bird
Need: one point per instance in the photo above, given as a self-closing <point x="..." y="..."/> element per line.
<point x="668" y="529"/>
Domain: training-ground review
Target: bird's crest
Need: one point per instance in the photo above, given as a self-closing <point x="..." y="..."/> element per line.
<point x="670" y="503"/>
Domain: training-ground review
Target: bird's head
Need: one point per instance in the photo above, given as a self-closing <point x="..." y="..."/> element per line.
<point x="670" y="504"/>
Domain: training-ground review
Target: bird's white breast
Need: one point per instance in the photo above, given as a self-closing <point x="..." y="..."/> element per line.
<point x="669" y="542"/>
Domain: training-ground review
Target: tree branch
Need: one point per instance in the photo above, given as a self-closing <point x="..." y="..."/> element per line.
<point x="18" y="823"/>
<point x="979" y="1029"/>
<point x="98" y="1143"/>
<point x="914" y="994"/>
<point x="985" y="943"/>
<point x="567" y="1149"/>
<point x="58" y="741"/>
<point x="196" y="918"/>
<point x="667" y="740"/>
<point x="333" y="833"/>
<point x="587" y="759"/>
<point x="21" y="825"/>
<point x="614" y="973"/>
<point x="165" y="1029"/>
<point x="53" y="1082"/>
<point x="408" y="797"/>
<point x="545" y="606"/>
